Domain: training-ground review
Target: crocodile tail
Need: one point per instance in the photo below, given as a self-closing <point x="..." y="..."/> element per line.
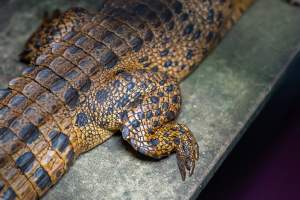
<point x="37" y="141"/>
<point x="37" y="144"/>
<point x="35" y="148"/>
<point x="37" y="138"/>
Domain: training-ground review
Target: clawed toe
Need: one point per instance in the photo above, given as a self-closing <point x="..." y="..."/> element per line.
<point x="187" y="154"/>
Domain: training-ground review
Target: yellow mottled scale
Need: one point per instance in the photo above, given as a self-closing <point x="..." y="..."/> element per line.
<point x="93" y="74"/>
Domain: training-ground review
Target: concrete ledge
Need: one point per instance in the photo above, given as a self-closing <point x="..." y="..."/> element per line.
<point x="221" y="98"/>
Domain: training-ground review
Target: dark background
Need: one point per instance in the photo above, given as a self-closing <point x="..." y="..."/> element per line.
<point x="265" y="164"/>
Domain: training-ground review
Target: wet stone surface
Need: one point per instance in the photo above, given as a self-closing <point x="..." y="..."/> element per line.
<point x="220" y="99"/>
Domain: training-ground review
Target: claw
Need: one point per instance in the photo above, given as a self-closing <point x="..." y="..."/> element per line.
<point x="187" y="153"/>
<point x="181" y="166"/>
<point x="192" y="169"/>
<point x="197" y="151"/>
<point x="188" y="165"/>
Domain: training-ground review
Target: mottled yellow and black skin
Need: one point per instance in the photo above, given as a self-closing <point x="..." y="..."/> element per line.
<point x="93" y="74"/>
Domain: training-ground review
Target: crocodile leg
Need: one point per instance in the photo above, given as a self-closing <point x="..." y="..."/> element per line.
<point x="149" y="127"/>
<point x="150" y="130"/>
<point x="143" y="105"/>
<point x="168" y="138"/>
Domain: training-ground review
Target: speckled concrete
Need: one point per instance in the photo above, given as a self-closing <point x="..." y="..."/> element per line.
<point x="220" y="99"/>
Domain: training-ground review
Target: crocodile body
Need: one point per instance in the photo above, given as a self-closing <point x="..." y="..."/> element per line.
<point x="93" y="74"/>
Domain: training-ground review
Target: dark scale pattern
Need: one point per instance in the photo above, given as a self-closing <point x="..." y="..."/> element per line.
<point x="145" y="15"/>
<point x="26" y="131"/>
<point x="18" y="102"/>
<point x="33" y="113"/>
<point x="25" y="161"/>
<point x="42" y="179"/>
<point x="29" y="133"/>
<point x="161" y="10"/>
<point x="130" y="20"/>
<point x="91" y="75"/>
<point x="177" y="6"/>
<point x="1" y="185"/>
<point x="168" y="63"/>
<point x="101" y="95"/>
<point x="189" y="54"/>
<point x="184" y="17"/>
<point x="121" y="30"/>
<point x="188" y="29"/>
<point x="10" y="141"/>
<point x="9" y="194"/>
<point x="81" y="119"/>
<point x="60" y="141"/>
<point x="4" y="93"/>
<point x="164" y="52"/>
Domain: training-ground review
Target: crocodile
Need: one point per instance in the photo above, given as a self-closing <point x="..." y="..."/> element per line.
<point x="92" y="74"/>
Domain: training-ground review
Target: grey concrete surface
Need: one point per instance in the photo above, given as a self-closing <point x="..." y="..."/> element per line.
<point x="221" y="98"/>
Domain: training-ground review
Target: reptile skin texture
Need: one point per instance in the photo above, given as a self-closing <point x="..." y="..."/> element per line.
<point x="91" y="75"/>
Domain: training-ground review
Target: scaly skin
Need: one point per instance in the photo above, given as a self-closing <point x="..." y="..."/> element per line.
<point x="93" y="74"/>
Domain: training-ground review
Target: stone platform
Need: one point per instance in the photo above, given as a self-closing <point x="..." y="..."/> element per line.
<point x="221" y="98"/>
